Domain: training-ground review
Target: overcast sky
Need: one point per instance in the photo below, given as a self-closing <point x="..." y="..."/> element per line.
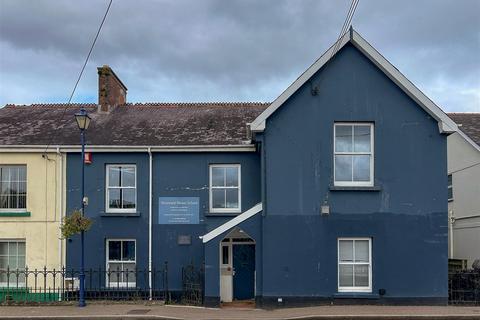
<point x="236" y="50"/>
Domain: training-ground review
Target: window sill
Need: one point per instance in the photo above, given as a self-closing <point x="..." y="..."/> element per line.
<point x="15" y="214"/>
<point x="355" y="188"/>
<point x="222" y="214"/>
<point x="356" y="295"/>
<point x="120" y="214"/>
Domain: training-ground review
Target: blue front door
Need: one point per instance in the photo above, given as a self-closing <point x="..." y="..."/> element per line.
<point x="244" y="267"/>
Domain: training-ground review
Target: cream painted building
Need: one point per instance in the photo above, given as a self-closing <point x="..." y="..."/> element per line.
<point x="32" y="194"/>
<point x="464" y="188"/>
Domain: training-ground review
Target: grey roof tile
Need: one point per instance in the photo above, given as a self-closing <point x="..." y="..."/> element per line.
<point x="152" y="124"/>
<point x="469" y="123"/>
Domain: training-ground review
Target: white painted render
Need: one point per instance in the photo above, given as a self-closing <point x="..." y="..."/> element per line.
<point x="464" y="210"/>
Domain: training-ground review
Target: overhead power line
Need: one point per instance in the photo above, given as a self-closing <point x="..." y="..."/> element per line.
<point x="79" y="75"/>
<point x="346" y="25"/>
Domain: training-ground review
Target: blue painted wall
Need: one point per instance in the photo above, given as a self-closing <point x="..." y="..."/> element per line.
<point x="407" y="218"/>
<point x="174" y="175"/>
<point x="187" y="175"/>
<point x="105" y="225"/>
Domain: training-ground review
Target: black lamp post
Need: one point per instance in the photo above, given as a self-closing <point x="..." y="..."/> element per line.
<point x="83" y="121"/>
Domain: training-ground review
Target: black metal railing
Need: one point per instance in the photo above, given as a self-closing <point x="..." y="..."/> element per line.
<point x="464" y="287"/>
<point x="42" y="286"/>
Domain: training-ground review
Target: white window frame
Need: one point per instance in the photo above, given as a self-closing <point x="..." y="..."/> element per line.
<point x="369" y="183"/>
<point x="116" y="284"/>
<point x="107" y="188"/>
<point x="14" y="284"/>
<point x="26" y="189"/>
<point x="355" y="288"/>
<point x="225" y="210"/>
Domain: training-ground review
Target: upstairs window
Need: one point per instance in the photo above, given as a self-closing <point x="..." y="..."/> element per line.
<point x="225" y="188"/>
<point x="13" y="187"/>
<point x="353" y="154"/>
<point x="450" y="188"/>
<point x="121" y="188"/>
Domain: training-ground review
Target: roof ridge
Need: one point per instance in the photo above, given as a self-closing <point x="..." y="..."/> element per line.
<point x="144" y="104"/>
<point x="54" y="104"/>
<point x="193" y="104"/>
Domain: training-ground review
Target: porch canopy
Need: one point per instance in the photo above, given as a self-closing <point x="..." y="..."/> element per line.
<point x="232" y="223"/>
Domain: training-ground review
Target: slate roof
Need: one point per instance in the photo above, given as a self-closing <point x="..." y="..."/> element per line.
<point x="150" y="124"/>
<point x="469" y="123"/>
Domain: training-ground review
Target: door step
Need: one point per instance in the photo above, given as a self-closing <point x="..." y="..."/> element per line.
<point x="239" y="304"/>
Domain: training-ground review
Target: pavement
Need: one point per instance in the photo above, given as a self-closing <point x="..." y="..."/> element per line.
<point x="170" y="312"/>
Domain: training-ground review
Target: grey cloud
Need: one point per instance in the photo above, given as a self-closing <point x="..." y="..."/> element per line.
<point x="229" y="50"/>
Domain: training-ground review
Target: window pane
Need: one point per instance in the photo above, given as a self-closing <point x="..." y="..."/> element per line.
<point x="21" y="262"/>
<point x="224" y="255"/>
<point x="343" y="138"/>
<point x="128" y="198"/>
<point x="218" y="198"/>
<point x="361" y="139"/>
<point x="114" y="252"/>
<point x="3" y="248"/>
<point x="450" y="193"/>
<point x="361" y="275"/>
<point x="362" y="251"/>
<point x="346" y="275"/>
<point x="12" y="202"/>
<point x="128" y="251"/>
<point x="114" y="176"/>
<point x="12" y="250"/>
<point x="128" y="177"/>
<point x="343" y="168"/>
<point x="346" y="250"/>
<point x="115" y="275"/>
<point x="12" y="262"/>
<point x="22" y="201"/>
<point x="21" y="248"/>
<point x="114" y="199"/>
<point x="129" y="272"/>
<point x="22" y="173"/>
<point x="3" y="201"/>
<point x="231" y="177"/>
<point x="218" y="177"/>
<point x="232" y="198"/>
<point x="361" y="168"/>
<point x="449" y="179"/>
<point x="3" y="262"/>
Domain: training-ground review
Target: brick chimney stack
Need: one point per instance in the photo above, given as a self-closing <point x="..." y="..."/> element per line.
<point x="111" y="91"/>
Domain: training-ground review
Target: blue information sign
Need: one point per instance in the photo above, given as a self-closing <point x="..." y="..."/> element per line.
<point x="178" y="210"/>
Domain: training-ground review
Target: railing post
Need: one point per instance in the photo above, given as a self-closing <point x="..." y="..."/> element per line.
<point x="26" y="284"/>
<point x="44" y="283"/>
<point x="62" y="285"/>
<point x="166" y="293"/>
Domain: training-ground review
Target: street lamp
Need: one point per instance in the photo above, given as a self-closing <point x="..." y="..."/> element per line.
<point x="83" y="121"/>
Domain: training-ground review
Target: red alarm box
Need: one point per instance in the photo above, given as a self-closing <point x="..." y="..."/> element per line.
<point x="88" y="158"/>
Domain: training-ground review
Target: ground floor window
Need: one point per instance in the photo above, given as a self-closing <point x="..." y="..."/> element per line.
<point x="354" y="265"/>
<point x="121" y="263"/>
<point x="12" y="262"/>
